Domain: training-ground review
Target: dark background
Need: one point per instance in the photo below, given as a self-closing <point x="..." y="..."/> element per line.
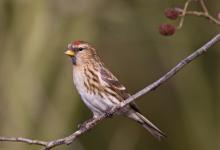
<point x="38" y="99"/>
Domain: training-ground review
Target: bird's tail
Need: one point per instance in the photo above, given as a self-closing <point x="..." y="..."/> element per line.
<point x="156" y="132"/>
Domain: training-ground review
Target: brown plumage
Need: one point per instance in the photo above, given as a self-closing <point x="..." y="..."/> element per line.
<point x="99" y="88"/>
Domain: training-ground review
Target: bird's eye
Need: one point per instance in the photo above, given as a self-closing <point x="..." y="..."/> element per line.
<point x="80" y="49"/>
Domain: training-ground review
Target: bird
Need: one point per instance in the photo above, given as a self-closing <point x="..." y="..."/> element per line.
<point x="99" y="89"/>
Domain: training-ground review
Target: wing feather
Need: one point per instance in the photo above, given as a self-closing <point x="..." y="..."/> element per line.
<point x="111" y="81"/>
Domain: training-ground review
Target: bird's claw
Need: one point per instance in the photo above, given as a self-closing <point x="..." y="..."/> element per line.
<point x="108" y="113"/>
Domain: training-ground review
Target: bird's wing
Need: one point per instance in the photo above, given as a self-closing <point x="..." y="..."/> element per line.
<point x="112" y="82"/>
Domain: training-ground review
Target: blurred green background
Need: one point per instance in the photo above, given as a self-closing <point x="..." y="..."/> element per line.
<point x="38" y="99"/>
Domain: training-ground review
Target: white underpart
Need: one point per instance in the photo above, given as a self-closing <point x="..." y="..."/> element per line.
<point x="97" y="104"/>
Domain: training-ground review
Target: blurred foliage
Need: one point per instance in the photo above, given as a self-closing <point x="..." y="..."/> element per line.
<point x="38" y="99"/>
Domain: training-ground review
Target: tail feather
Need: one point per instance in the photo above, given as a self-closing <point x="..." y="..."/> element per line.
<point x="156" y="132"/>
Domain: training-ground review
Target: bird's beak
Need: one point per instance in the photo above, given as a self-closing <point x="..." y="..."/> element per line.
<point x="70" y="53"/>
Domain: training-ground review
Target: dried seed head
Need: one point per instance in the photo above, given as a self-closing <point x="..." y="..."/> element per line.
<point x="167" y="29"/>
<point x="172" y="13"/>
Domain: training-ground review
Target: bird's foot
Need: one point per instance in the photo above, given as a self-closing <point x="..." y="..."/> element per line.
<point x="108" y="113"/>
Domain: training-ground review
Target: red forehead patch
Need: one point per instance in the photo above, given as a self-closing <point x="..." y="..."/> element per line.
<point x="78" y="42"/>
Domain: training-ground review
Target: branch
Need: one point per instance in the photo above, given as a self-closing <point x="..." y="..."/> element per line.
<point x="183" y="13"/>
<point x="23" y="140"/>
<point x="203" y="5"/>
<point x="93" y="122"/>
<point x="201" y="14"/>
<point x="204" y="13"/>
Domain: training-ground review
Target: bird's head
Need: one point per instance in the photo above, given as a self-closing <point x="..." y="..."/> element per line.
<point x="81" y="52"/>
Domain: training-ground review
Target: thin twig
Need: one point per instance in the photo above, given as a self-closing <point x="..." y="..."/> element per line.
<point x="201" y="14"/>
<point x="204" y="13"/>
<point x="204" y="8"/>
<point x="183" y="14"/>
<point x="23" y="140"/>
<point x="89" y="125"/>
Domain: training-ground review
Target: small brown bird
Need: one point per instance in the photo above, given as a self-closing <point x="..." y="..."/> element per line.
<point x="99" y="89"/>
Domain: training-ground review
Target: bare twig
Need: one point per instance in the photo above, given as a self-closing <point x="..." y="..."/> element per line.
<point x="201" y="14"/>
<point x="23" y="140"/>
<point x="204" y="13"/>
<point x="184" y="10"/>
<point x="89" y="125"/>
<point x="203" y="5"/>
